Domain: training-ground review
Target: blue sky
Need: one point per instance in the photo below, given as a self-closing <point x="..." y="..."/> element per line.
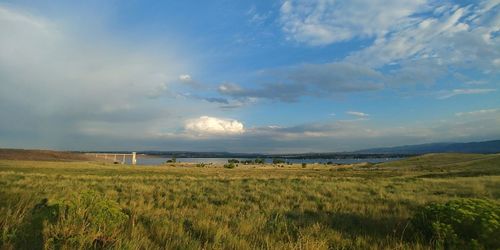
<point x="248" y="76"/>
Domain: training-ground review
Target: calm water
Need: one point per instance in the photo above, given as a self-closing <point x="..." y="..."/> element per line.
<point x="158" y="161"/>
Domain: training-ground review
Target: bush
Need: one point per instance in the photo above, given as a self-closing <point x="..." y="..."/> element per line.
<point x="88" y="220"/>
<point x="304" y="165"/>
<point x="201" y="165"/>
<point x="233" y="161"/>
<point x="259" y="161"/>
<point x="462" y="223"/>
<point x="229" y="165"/>
<point x="278" y="161"/>
<point x="173" y="160"/>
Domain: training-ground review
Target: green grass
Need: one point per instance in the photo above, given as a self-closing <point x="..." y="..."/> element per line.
<point x="248" y="207"/>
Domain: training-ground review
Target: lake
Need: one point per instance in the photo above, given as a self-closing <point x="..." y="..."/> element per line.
<point x="161" y="160"/>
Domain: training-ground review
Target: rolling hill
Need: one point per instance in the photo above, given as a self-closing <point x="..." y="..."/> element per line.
<point x="485" y="147"/>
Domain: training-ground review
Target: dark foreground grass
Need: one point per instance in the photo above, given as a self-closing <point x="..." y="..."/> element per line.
<point x="52" y="204"/>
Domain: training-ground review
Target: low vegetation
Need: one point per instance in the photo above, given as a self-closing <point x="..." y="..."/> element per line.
<point x="461" y="223"/>
<point x="428" y="202"/>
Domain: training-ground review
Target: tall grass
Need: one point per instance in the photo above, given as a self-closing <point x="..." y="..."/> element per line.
<point x="95" y="205"/>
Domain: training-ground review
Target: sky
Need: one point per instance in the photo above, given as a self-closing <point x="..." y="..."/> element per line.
<point x="266" y="76"/>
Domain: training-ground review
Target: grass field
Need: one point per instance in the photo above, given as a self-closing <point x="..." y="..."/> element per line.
<point x="248" y="207"/>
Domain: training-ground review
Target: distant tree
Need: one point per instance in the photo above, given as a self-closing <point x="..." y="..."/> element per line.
<point x="259" y="161"/>
<point x="278" y="161"/>
<point x="233" y="161"/>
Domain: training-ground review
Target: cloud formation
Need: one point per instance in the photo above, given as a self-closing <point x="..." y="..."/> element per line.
<point x="358" y="114"/>
<point x="59" y="83"/>
<point x="478" y="112"/>
<point x="414" y="44"/>
<point x="206" y="125"/>
<point x="326" y="22"/>
<point x="325" y="80"/>
<point x="455" y="92"/>
<point x="450" y="35"/>
<point x="185" y="78"/>
<point x="69" y="87"/>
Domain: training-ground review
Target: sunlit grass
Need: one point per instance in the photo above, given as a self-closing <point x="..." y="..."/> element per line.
<point x="249" y="207"/>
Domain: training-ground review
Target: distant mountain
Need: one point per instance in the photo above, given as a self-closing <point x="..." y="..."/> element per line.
<point x="485" y="147"/>
<point x="191" y="154"/>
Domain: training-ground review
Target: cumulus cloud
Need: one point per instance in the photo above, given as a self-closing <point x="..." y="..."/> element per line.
<point x="206" y="125"/>
<point x="185" y="78"/>
<point x="451" y="93"/>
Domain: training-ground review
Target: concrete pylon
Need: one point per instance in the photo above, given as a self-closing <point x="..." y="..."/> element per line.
<point x="134" y="159"/>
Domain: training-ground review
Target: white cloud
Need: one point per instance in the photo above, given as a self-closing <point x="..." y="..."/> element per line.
<point x="439" y="34"/>
<point x="206" y="125"/>
<point x="328" y="21"/>
<point x="255" y="17"/>
<point x="448" y="94"/>
<point x="463" y="37"/>
<point x="478" y="112"/>
<point x="358" y="114"/>
<point x="185" y="78"/>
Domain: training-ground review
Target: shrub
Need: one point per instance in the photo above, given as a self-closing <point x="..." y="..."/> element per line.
<point x="88" y="220"/>
<point x="201" y="165"/>
<point x="233" y="161"/>
<point x="304" y="164"/>
<point x="462" y="223"/>
<point x="229" y="165"/>
<point x="173" y="160"/>
<point x="259" y="161"/>
<point x="278" y="161"/>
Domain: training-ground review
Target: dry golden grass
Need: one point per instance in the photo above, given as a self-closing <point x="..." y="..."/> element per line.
<point x="249" y="207"/>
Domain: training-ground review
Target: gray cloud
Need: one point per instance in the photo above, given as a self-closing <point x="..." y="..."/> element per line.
<point x="325" y="80"/>
<point x="217" y="100"/>
<point x="58" y="85"/>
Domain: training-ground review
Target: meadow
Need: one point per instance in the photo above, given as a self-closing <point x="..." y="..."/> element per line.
<point x="82" y="205"/>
